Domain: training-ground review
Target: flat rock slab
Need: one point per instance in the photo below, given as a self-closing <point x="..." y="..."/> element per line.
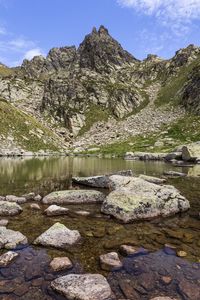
<point x="55" y="210"/>
<point x="58" y="236"/>
<point x="100" y="181"/>
<point x="7" y="258"/>
<point x="153" y="179"/>
<point x="110" y="262"/>
<point x="10" y="239"/>
<point x="12" y="198"/>
<point x="83" y="287"/>
<point x="60" y="264"/>
<point x="174" y="174"/>
<point x="9" y="208"/>
<point x="74" y="197"/>
<point x="134" y="198"/>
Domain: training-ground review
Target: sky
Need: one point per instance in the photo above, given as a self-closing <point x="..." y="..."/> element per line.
<point x="33" y="27"/>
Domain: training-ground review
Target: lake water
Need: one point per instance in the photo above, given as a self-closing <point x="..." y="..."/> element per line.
<point x="29" y="276"/>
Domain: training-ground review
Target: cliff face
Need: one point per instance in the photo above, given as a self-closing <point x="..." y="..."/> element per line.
<point x="71" y="88"/>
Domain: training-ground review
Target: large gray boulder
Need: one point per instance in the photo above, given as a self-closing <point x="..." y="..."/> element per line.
<point x="74" y="197"/>
<point x="58" y="236"/>
<point x="191" y="152"/>
<point x="10" y="239"/>
<point x="100" y="181"/>
<point x="83" y="287"/>
<point x="9" y="208"/>
<point x="134" y="199"/>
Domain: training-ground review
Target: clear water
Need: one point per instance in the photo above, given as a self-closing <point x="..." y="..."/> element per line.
<point x="100" y="234"/>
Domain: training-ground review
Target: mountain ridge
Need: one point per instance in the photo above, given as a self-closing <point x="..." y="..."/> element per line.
<point x="73" y="88"/>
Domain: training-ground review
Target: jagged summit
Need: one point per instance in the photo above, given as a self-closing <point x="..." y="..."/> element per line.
<point x="101" y="52"/>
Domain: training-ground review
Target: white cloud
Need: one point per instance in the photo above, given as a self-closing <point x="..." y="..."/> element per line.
<point x="33" y="52"/>
<point x="21" y="43"/>
<point x="2" y="31"/>
<point x="167" y="11"/>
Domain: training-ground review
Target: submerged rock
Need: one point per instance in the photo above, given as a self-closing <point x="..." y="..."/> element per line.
<point x="144" y="156"/>
<point x="19" y="200"/>
<point x="135" y="198"/>
<point x="10" y="239"/>
<point x="100" y="181"/>
<point x="55" y="210"/>
<point x="110" y="262"/>
<point x="60" y="264"/>
<point x="7" y="258"/>
<point x="131" y="250"/>
<point x="9" y="208"/>
<point x="74" y="197"/>
<point x="58" y="236"/>
<point x="83" y="287"/>
<point x="153" y="179"/>
<point x="174" y="174"/>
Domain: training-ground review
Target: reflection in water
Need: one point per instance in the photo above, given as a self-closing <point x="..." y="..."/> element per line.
<point x="18" y="176"/>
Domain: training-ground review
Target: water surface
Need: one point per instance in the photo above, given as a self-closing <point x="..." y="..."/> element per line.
<point x="100" y="233"/>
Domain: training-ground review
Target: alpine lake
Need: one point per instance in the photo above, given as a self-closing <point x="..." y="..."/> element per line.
<point x="158" y="272"/>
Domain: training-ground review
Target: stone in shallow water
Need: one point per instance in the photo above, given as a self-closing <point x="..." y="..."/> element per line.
<point x="163" y="298"/>
<point x="110" y="261"/>
<point x="131" y="250"/>
<point x="134" y="198"/>
<point x="100" y="181"/>
<point x="37" y="198"/>
<point x="153" y="179"/>
<point x="29" y="196"/>
<point x="82" y="213"/>
<point x="58" y="236"/>
<point x="60" y="264"/>
<point x="9" y="208"/>
<point x="4" y="222"/>
<point x="188" y="290"/>
<point x="74" y="197"/>
<point x="10" y="239"/>
<point x="83" y="287"/>
<point x="7" y="258"/>
<point x="19" y="200"/>
<point x="55" y="210"/>
<point x="35" y="206"/>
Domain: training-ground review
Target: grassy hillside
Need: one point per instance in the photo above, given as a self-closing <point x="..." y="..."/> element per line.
<point x="24" y="130"/>
<point x="171" y="90"/>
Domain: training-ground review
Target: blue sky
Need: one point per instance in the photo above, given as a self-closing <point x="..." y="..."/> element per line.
<point x="31" y="27"/>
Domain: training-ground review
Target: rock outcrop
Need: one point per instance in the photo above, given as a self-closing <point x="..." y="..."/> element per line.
<point x="135" y="199"/>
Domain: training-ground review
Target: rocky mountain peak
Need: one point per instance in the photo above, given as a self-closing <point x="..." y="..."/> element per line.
<point x="103" y="30"/>
<point x="101" y="52"/>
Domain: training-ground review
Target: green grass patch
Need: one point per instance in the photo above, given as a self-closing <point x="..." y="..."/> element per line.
<point x="94" y="114"/>
<point x="171" y="91"/>
<point x="21" y="127"/>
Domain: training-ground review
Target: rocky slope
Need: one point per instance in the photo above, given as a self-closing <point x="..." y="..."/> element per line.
<point x="100" y="91"/>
